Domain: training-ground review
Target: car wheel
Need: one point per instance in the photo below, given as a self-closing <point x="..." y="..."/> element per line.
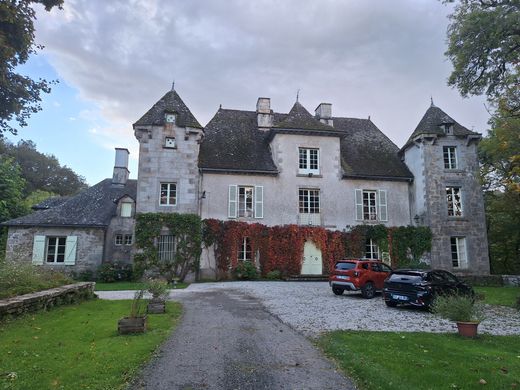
<point x="337" y="290"/>
<point x="391" y="303"/>
<point x="368" y="290"/>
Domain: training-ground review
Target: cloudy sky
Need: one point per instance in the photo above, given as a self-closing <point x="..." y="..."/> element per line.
<point x="114" y="59"/>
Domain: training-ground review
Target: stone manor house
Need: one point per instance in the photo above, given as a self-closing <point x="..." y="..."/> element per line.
<point x="275" y="169"/>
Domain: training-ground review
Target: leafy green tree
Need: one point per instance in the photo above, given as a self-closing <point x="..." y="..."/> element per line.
<point x="484" y="47"/>
<point x="19" y="94"/>
<point x="36" y="197"/>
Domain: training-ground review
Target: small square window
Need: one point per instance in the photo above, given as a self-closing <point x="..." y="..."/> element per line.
<point x="128" y="239"/>
<point x="170" y="118"/>
<point x="126" y="210"/>
<point x="118" y="239"/>
<point x="169" y="142"/>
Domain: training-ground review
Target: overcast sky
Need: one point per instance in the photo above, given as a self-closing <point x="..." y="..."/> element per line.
<point x="115" y="59"/>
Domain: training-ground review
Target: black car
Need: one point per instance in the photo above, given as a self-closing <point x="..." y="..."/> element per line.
<point x="419" y="287"/>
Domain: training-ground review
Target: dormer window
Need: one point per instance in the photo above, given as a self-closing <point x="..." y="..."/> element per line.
<point x="169" y="142"/>
<point x="170" y="118"/>
<point x="126" y="210"/>
<point x="447" y="128"/>
<point x="309" y="160"/>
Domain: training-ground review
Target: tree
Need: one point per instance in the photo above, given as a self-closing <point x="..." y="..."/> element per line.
<point x="41" y="171"/>
<point x="484" y="47"/>
<point x="19" y="94"/>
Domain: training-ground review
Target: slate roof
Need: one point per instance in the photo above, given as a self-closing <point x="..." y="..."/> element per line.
<point x="232" y="142"/>
<point x="50" y="202"/>
<point x="431" y="122"/>
<point x="170" y="102"/>
<point x="93" y="207"/>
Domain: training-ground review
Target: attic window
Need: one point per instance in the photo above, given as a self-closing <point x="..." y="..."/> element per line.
<point x="447" y="128"/>
<point x="169" y="118"/>
<point x="126" y="210"/>
<point x="169" y="142"/>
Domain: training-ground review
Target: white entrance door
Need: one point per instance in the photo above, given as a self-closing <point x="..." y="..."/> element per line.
<point x="312" y="264"/>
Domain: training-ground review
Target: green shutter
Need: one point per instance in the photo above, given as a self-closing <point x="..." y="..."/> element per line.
<point x="38" y="250"/>
<point x="70" y="250"/>
<point x="383" y="209"/>
<point x="359" y="205"/>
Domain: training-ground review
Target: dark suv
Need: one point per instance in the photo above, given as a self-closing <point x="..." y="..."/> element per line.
<point x="419" y="287"/>
<point x="359" y="274"/>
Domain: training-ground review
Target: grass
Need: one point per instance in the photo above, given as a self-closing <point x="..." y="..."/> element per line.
<point x="119" y="286"/>
<point x="77" y="347"/>
<point x="504" y="296"/>
<point x="384" y="360"/>
<point x="18" y="279"/>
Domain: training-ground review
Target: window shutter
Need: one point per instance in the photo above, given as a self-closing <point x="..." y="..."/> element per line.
<point x="359" y="205"/>
<point x="70" y="250"/>
<point x="38" y="250"/>
<point x="232" y="202"/>
<point x="259" y="202"/>
<point x="383" y="209"/>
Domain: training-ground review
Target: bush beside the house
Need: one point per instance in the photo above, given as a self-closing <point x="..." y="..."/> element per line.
<point x="245" y="271"/>
<point x="274" y="275"/>
<point x="18" y="279"/>
<point x="114" y="272"/>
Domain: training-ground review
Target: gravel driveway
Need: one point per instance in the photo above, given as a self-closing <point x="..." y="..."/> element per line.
<point x="312" y="308"/>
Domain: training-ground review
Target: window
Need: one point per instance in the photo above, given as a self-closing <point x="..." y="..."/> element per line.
<point x="166" y="247"/>
<point x="371" y="250"/>
<point x="309" y="161"/>
<point x="169" y="142"/>
<point x="246" y="201"/>
<point x="371" y="205"/>
<point x="128" y="239"/>
<point x="309" y="201"/>
<point x="126" y="209"/>
<point x="453" y="197"/>
<point x="170" y="118"/>
<point x="244" y="250"/>
<point x="118" y="240"/>
<point x="55" y="252"/>
<point x="450" y="157"/>
<point x="168" y="194"/>
<point x="458" y="252"/>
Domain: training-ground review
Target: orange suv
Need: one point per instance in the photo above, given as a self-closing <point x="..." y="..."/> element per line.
<point x="359" y="274"/>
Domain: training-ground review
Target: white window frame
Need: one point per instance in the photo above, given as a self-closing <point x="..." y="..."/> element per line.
<point x="454" y="201"/>
<point x="126" y="210"/>
<point x="245" y="252"/>
<point x="304" y="201"/>
<point x="459" y="254"/>
<point x="128" y="239"/>
<point x="169" y="187"/>
<point x="240" y="206"/>
<point x="118" y="239"/>
<point x="371" y="250"/>
<point x="55" y="250"/>
<point x="379" y="204"/>
<point x="166" y="248"/>
<point x="306" y="158"/>
<point x="449" y="154"/>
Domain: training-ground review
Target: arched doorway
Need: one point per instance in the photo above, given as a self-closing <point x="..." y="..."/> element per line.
<point x="312" y="263"/>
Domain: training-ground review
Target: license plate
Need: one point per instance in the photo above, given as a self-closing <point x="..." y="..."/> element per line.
<point x="399" y="297"/>
<point x="342" y="277"/>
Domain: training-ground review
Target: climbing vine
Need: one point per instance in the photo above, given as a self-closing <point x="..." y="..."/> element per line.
<point x="187" y="232"/>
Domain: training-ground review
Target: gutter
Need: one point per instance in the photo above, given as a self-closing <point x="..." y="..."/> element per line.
<point x="232" y="170"/>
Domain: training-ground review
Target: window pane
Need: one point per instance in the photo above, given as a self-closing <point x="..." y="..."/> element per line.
<point x="128" y="239"/>
<point x="168" y="195"/>
<point x="303" y="158"/>
<point x="126" y="209"/>
<point x="369" y="205"/>
<point x="453" y="198"/>
<point x="245" y="201"/>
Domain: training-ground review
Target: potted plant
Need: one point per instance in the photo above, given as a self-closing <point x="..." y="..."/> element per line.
<point x="461" y="309"/>
<point x="136" y="322"/>
<point x="159" y="290"/>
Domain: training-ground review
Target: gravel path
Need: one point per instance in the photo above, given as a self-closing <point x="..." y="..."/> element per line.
<point x="312" y="308"/>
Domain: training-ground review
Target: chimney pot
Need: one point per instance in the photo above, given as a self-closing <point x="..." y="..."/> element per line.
<point x="324" y="113"/>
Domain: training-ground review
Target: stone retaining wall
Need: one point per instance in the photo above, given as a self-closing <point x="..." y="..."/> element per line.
<point x="492" y="280"/>
<point x="46" y="299"/>
<point x="511" y="280"/>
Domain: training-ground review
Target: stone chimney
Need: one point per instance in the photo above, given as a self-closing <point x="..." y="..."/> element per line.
<point x="264" y="114"/>
<point x="324" y="113"/>
<point x="121" y="171"/>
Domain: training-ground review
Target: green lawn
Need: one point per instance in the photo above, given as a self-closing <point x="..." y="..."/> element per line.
<point x="118" y="286"/>
<point x="77" y="347"/>
<point x="505" y="296"/>
<point x="384" y="360"/>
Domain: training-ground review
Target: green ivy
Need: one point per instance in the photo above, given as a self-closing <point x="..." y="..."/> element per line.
<point x="410" y="243"/>
<point x="187" y="229"/>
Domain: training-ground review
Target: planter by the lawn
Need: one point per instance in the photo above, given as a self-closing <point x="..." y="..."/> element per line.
<point x="156" y="306"/>
<point x="467" y="329"/>
<point x="129" y="325"/>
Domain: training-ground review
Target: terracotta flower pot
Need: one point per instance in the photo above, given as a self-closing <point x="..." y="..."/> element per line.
<point x="467" y="329"/>
<point x="128" y="325"/>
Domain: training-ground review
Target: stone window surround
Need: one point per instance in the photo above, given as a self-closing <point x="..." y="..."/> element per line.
<point x="169" y="191"/>
<point x="308" y="157"/>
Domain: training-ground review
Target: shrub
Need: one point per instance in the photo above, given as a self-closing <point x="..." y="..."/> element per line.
<point x="18" y="279"/>
<point x="274" y="275"/>
<point x="114" y="272"/>
<point x="245" y="271"/>
<point x="158" y="288"/>
<point x="84" y="276"/>
<point x="458" y="308"/>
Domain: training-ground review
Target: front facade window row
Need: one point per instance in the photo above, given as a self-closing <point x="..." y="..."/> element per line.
<point x="54" y="250"/>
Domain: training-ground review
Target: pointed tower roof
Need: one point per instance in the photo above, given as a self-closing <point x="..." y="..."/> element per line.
<point x="300" y="118"/>
<point x="431" y="124"/>
<point x="170" y="102"/>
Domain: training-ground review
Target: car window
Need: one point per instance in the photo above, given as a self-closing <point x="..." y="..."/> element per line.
<point x="405" y="278"/>
<point x="364" y="265"/>
<point x="385" y="268"/>
<point x="449" y="277"/>
<point x="436" y="277"/>
<point x="345" y="266"/>
<point x="376" y="267"/>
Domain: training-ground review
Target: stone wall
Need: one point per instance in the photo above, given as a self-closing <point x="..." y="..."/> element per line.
<point x="44" y="300"/>
<point x="124" y="226"/>
<point x="89" y="251"/>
